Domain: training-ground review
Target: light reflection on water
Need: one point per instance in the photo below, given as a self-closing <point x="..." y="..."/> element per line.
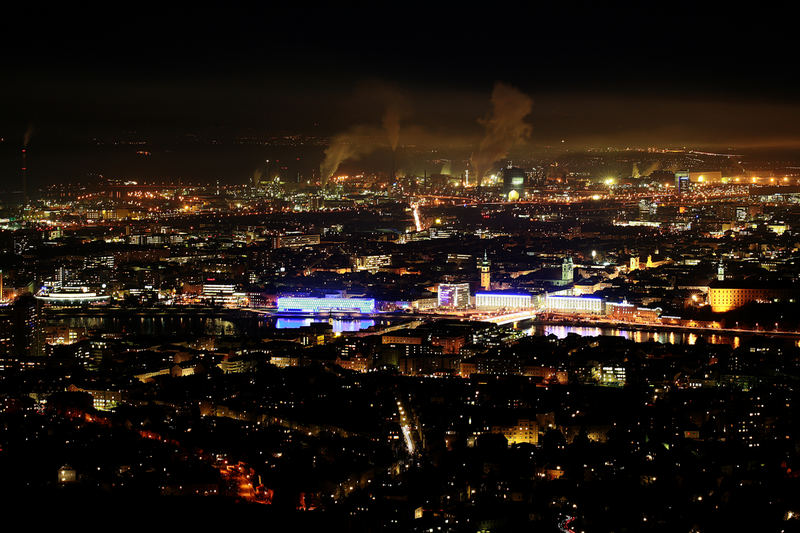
<point x="339" y="325"/>
<point x="193" y="326"/>
<point x="663" y="337"/>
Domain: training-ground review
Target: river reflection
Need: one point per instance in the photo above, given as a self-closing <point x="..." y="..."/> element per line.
<point x="339" y="325"/>
<point x="192" y="326"/>
<point x="664" y="337"/>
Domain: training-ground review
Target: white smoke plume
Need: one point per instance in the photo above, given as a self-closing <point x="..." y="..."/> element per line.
<point x="505" y="127"/>
<point x="352" y="144"/>
<point x="26" y="139"/>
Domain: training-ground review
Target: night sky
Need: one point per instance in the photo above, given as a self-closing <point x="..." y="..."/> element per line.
<point x="671" y="74"/>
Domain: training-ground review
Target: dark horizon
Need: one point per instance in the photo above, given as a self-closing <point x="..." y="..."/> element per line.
<point x="629" y="76"/>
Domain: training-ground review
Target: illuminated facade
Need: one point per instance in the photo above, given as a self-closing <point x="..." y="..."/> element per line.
<point x="72" y="296"/>
<point x="726" y="296"/>
<point x="499" y="300"/>
<point x="296" y="240"/>
<point x="682" y="182"/>
<point x="486" y="278"/>
<point x="372" y="263"/>
<point x="514" y="183"/>
<point x="525" y="431"/>
<point x="574" y="304"/>
<point x="453" y="295"/>
<point x="308" y="304"/>
<point x="222" y="294"/>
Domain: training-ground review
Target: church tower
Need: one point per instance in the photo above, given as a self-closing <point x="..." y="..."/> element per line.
<point x="567" y="270"/>
<point x="486" y="278"/>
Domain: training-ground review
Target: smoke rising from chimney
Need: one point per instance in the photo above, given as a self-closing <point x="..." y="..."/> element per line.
<point x="26" y="139"/>
<point x="391" y="123"/>
<point x="257" y="174"/>
<point x="505" y="127"/>
<point x="353" y="144"/>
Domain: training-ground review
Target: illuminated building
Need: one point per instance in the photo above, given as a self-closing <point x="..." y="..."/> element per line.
<point x="450" y="344"/>
<point x="589" y="286"/>
<point x="102" y="400"/>
<point x="499" y="300"/>
<point x="61" y="335"/>
<point x="221" y="294"/>
<point x="453" y="295"/>
<point x="355" y="363"/>
<point x="621" y="310"/>
<point x="371" y="263"/>
<point x="613" y="375"/>
<point x="574" y="304"/>
<point x="525" y="431"/>
<point x="295" y="240"/>
<point x="72" y="296"/>
<point x="328" y="304"/>
<point x="514" y="182"/>
<point x="682" y="182"/>
<point x="284" y="361"/>
<point x="260" y="300"/>
<point x="567" y="270"/>
<point x="237" y="365"/>
<point x="727" y="295"/>
<point x="67" y="474"/>
<point x="486" y="281"/>
<point x="778" y="229"/>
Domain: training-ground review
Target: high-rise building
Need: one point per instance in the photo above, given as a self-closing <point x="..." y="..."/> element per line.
<point x="682" y="182"/>
<point x="514" y="182"/>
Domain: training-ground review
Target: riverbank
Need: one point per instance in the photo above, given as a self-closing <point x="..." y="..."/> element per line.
<point x="635" y="326"/>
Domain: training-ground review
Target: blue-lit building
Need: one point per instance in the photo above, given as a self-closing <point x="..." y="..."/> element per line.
<point x="328" y="304"/>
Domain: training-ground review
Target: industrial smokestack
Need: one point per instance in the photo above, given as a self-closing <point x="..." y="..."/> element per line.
<point x="26" y="139"/>
<point x="25" y="175"/>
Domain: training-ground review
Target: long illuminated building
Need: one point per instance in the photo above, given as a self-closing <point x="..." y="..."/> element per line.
<point x="309" y="304"/>
<point x="574" y="304"/>
<point x="497" y="300"/>
<point x="72" y="296"/>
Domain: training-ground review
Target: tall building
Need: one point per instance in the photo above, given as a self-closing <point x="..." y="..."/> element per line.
<point x="514" y="182"/>
<point x="486" y="278"/>
<point x="682" y="182"/>
<point x="454" y="295"/>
